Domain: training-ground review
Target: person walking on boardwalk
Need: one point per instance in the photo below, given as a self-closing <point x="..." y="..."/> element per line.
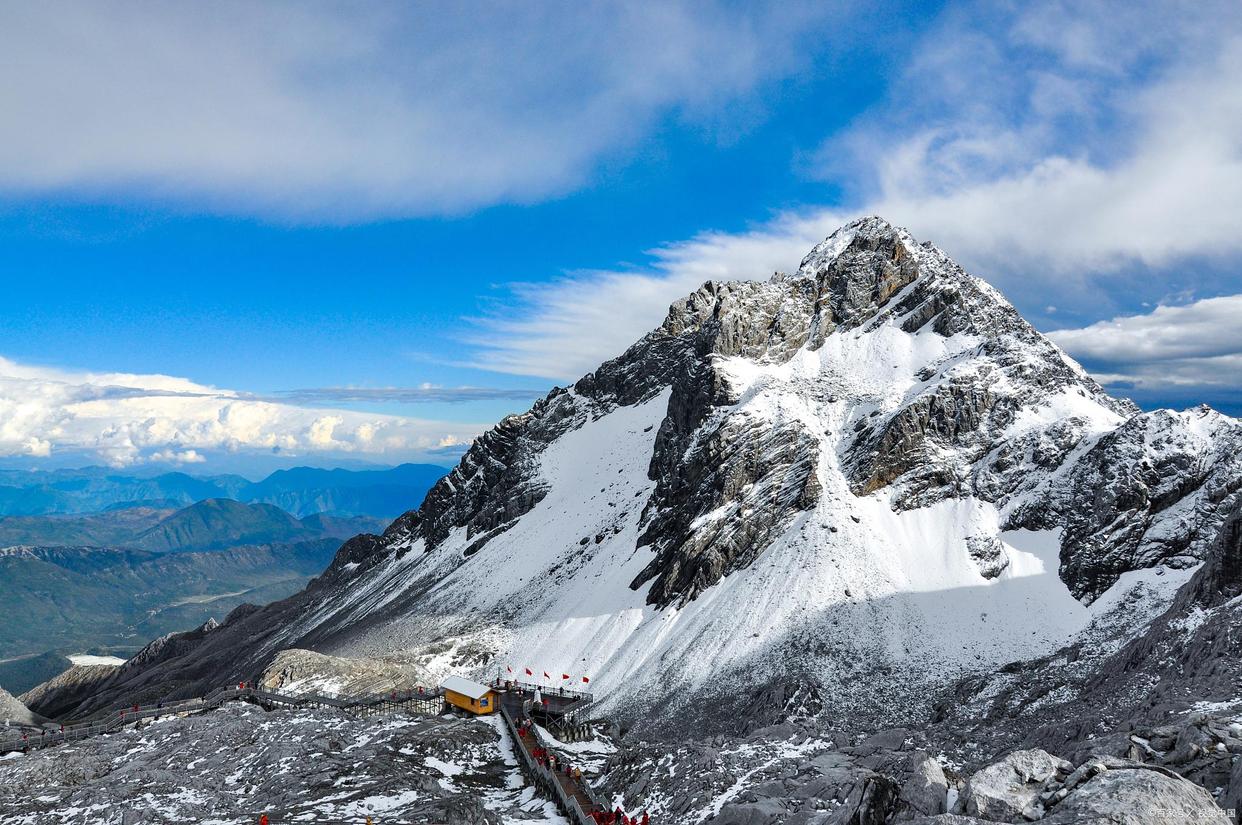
<point x="263" y="819"/>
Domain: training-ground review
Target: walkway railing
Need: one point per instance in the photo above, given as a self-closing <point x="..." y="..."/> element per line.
<point x="567" y="704"/>
<point x="546" y="778"/>
<point x="531" y="687"/>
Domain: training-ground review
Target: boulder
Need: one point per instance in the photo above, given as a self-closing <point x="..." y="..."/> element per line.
<point x="1137" y="795"/>
<point x="924" y="788"/>
<point x="871" y="801"/>
<point x="1002" y="791"/>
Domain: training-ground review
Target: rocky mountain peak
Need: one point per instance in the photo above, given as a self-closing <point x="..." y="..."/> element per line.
<point x="926" y="368"/>
<point x="875" y="462"/>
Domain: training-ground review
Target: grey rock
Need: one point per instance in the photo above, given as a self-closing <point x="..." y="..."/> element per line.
<point x="1003" y="790"/>
<point x="924" y="788"/>
<point x="1137" y="795"/>
<point x="305" y="671"/>
<point x="988" y="553"/>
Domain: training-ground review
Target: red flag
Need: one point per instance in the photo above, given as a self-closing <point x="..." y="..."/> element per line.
<point x="564" y="675"/>
<point x="528" y="673"/>
<point x="585" y="679"/>
<point x="508" y="668"/>
<point x="545" y="675"/>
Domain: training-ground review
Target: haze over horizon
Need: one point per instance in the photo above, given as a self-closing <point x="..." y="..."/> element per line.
<point x="242" y="237"/>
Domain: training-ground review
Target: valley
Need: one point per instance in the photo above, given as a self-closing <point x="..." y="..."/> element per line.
<point x="109" y="582"/>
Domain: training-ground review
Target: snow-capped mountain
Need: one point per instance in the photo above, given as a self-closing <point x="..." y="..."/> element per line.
<point x="863" y="479"/>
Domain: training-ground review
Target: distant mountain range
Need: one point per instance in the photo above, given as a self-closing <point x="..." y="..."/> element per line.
<point x="119" y="578"/>
<point x="212" y="524"/>
<point x="72" y="599"/>
<point x="91" y="558"/>
<point x="300" y="491"/>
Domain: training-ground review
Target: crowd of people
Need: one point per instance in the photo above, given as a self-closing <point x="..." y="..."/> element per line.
<point x="550" y="761"/>
<point x="619" y="817"/>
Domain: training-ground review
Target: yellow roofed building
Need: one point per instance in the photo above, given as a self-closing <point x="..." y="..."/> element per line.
<point x="469" y="696"/>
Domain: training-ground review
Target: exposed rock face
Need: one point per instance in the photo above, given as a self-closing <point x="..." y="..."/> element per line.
<point x="495" y="482"/>
<point x="704" y="519"/>
<point x="925" y="789"/>
<point x="1170" y="478"/>
<point x="989" y="554"/>
<point x="65" y="691"/>
<point x="304" y="671"/>
<point x="14" y="713"/>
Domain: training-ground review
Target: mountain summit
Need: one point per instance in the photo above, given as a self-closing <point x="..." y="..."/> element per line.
<point x="864" y="479"/>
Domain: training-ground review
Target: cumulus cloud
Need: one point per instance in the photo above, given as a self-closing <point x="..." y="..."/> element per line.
<point x="125" y="419"/>
<point x="1052" y="150"/>
<point x="350" y="111"/>
<point x="178" y="456"/>
<point x="1168" y="349"/>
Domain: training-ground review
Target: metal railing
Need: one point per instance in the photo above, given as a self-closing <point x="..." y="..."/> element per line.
<point x="531" y="687"/>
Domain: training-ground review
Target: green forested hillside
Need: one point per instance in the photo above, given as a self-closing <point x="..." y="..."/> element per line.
<point x="70" y="599"/>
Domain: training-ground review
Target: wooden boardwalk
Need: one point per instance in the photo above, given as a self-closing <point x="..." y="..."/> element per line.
<point x="574" y="796"/>
<point x="568" y="784"/>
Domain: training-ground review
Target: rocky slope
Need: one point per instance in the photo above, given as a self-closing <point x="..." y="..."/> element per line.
<point x="229" y="766"/>
<point x="304" y="672"/>
<point x="14" y="713"/>
<point x="870" y="476"/>
<point x="1168" y="696"/>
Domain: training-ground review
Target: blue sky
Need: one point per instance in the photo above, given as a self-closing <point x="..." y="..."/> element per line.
<point x="447" y="214"/>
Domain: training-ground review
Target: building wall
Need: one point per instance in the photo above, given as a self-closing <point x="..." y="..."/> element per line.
<point x="457" y="700"/>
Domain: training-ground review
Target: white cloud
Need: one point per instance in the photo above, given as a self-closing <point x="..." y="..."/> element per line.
<point x="567" y="328"/>
<point x="1196" y="345"/>
<point x="178" y="457"/>
<point x="1066" y="142"/>
<point x="349" y="111"/>
<point x="125" y="419"/>
<point x="1051" y="151"/>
